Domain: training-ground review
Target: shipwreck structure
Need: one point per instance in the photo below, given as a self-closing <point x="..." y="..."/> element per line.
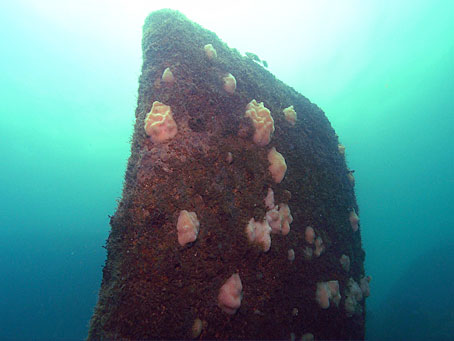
<point x="238" y="218"/>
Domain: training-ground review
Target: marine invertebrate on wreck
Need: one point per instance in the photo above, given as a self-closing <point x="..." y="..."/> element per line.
<point x="187" y="227"/>
<point x="364" y="285"/>
<point x="319" y="246"/>
<point x="262" y="120"/>
<point x="229" y="158"/>
<point x="159" y="123"/>
<point x="286" y="218"/>
<point x="309" y="235"/>
<point x="308" y="252"/>
<point x="307" y="337"/>
<point x="345" y="262"/>
<point x="259" y="233"/>
<point x="231" y="294"/>
<point x="327" y="292"/>
<point x="279" y="218"/>
<point x="167" y="76"/>
<point x="354" y="220"/>
<point x="353" y="295"/>
<point x="290" y="115"/>
<point x="229" y="83"/>
<point x="277" y="167"/>
<point x="341" y="149"/>
<point x="313" y="239"/>
<point x="210" y="51"/>
<point x="269" y="199"/>
<point x="291" y="255"/>
<point x="350" y="176"/>
<point x="196" y="328"/>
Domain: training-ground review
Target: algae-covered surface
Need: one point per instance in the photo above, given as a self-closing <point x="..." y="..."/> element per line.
<point x="152" y="286"/>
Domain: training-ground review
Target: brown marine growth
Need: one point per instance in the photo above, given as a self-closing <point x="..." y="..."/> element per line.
<point x="153" y="288"/>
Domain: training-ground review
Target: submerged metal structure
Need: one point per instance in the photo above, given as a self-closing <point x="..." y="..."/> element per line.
<point x="238" y="218"/>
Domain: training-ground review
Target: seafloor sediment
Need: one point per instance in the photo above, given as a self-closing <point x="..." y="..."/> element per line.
<point x="153" y="287"/>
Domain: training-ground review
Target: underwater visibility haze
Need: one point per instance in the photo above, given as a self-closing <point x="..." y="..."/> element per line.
<point x="382" y="71"/>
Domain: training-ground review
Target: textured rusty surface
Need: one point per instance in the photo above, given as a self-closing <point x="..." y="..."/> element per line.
<point x="154" y="288"/>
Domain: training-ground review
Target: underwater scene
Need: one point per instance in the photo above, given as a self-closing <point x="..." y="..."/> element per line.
<point x="227" y="170"/>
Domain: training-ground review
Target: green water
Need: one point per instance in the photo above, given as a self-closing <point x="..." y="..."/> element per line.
<point x="383" y="71"/>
